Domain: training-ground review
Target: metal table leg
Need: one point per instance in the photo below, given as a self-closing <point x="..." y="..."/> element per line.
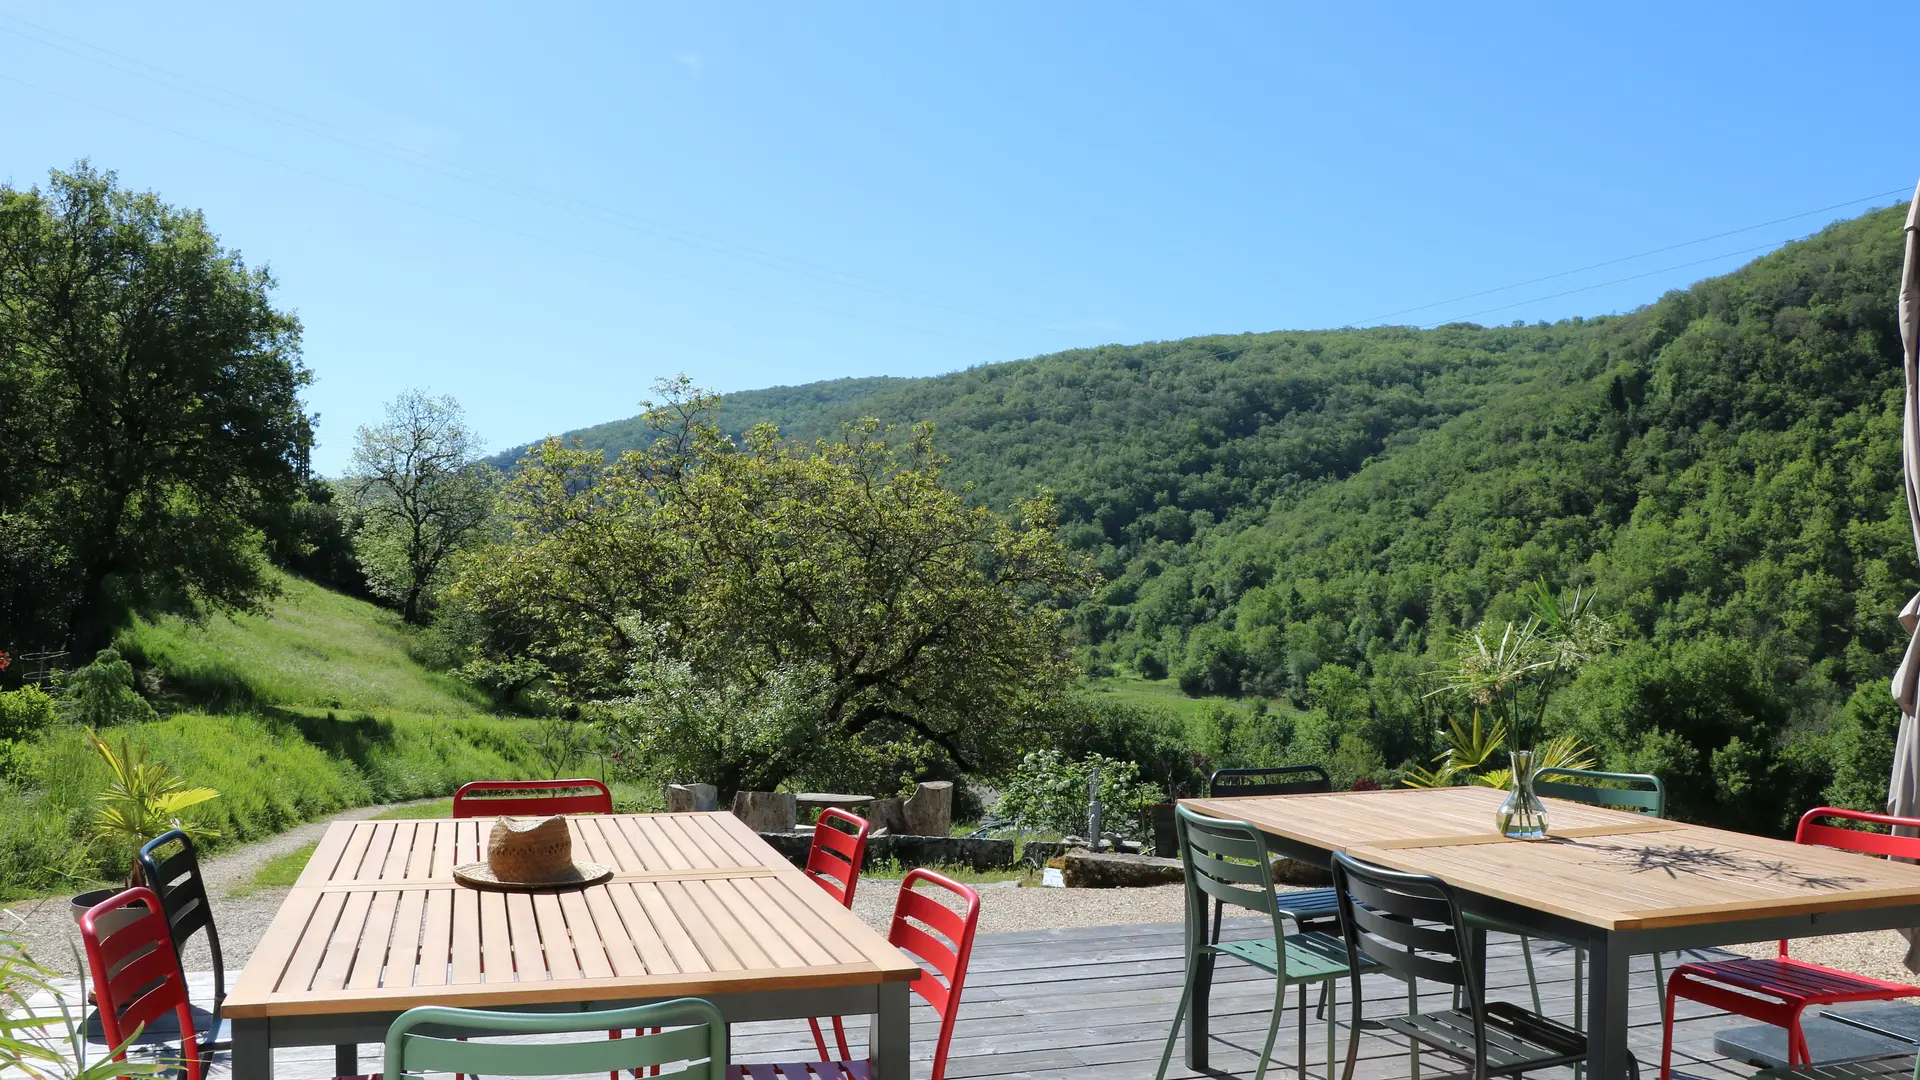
<point x="252" y="1050"/>
<point x="1607" y="1009"/>
<point x="892" y="1035"/>
<point x="346" y="1059"/>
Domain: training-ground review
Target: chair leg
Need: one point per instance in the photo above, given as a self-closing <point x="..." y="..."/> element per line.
<point x="1332" y="1013"/>
<point x="1301" y="1046"/>
<point x="819" y="1039"/>
<point x="1273" y="1027"/>
<point x="1321" y="1010"/>
<point x="1533" y="983"/>
<point x="1179" y="1015"/>
<point x="1659" y="981"/>
<point x="1666" y="1039"/>
<point x="1413" y="1045"/>
<point x="1353" y="1038"/>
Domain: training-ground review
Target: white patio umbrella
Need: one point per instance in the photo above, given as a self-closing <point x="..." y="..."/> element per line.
<point x="1903" y="791"/>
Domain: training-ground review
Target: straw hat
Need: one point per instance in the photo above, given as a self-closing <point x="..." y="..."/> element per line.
<point x="531" y="856"/>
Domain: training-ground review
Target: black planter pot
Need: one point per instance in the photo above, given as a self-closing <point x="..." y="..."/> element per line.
<point x="1166" y="838"/>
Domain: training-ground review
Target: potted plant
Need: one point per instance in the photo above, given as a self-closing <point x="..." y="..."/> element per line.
<point x="142" y="799"/>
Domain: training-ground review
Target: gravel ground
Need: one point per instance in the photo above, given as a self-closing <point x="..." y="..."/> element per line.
<point x="47" y="927"/>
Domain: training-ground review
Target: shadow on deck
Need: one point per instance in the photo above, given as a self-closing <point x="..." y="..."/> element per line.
<point x="1059" y="1003"/>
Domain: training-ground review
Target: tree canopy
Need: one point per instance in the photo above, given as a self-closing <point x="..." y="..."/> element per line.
<point x="765" y="610"/>
<point x="149" y="400"/>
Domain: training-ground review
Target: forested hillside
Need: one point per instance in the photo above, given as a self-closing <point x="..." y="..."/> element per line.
<point x="1722" y="467"/>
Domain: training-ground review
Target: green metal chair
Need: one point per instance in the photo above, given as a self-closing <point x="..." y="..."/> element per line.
<point x="1226" y="861"/>
<point x="431" y="1039"/>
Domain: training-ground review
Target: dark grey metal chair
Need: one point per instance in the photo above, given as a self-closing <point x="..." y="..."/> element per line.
<point x="1412" y="926"/>
<point x="176" y="877"/>
<point x="1310" y="909"/>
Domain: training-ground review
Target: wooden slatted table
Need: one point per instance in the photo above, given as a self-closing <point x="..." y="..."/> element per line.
<point x="1610" y="881"/>
<point x="698" y="905"/>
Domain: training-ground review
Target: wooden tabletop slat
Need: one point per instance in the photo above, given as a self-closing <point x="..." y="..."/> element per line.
<point x="697" y="905"/>
<point x="370" y="957"/>
<point x="667" y="947"/>
<point x="584" y="933"/>
<point x="616" y="937"/>
<point x="666" y="848"/>
<point x="342" y="945"/>
<point x="436" y="939"/>
<point x="714" y="949"/>
<point x="1607" y="868"/>
<point x="466" y="960"/>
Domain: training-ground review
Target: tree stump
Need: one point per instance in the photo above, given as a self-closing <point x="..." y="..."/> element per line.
<point x="766" y="811"/>
<point x="888" y="814"/>
<point x="929" y="810"/>
<point x="689" y="798"/>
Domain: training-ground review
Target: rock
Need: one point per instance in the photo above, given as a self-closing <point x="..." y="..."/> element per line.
<point x="1087" y="870"/>
<point x="888" y="814"/>
<point x="766" y="811"/>
<point x="688" y="798"/>
<point x="929" y="810"/>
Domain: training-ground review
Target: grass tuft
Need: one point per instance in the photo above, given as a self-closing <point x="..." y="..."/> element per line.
<point x="279" y="872"/>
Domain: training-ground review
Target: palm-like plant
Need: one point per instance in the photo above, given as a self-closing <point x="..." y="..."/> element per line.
<point x="143" y="798"/>
<point x="1508" y="676"/>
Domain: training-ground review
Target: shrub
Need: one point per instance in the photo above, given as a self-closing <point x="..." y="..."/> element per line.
<point x="102" y="694"/>
<point x="1049" y="792"/>
<point x="25" y="712"/>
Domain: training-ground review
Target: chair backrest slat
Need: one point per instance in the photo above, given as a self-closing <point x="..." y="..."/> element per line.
<point x="428" y="1039"/>
<point x="1646" y="791"/>
<point x="834" y="860"/>
<point x="950" y="965"/>
<point x="532" y="798"/>
<point x="1278" y="780"/>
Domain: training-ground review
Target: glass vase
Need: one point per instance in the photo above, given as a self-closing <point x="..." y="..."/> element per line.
<point x="1521" y="816"/>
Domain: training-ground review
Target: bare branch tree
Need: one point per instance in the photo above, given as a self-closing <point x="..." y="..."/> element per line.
<point x="423" y="494"/>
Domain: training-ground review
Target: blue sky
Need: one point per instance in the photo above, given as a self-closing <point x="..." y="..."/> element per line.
<point x="539" y="209"/>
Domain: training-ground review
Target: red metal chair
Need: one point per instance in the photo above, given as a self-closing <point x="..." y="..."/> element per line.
<point x="834" y="864"/>
<point x="914" y="914"/>
<point x="1776" y="991"/>
<point x="471" y="801"/>
<point x="136" y="972"/>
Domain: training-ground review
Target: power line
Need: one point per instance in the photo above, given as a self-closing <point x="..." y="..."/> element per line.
<point x="498" y="227"/>
<point x="507" y="186"/>
<point x="1627" y="258"/>
<point x="1634" y="277"/>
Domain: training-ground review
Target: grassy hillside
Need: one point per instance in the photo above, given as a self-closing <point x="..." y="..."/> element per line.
<point x="1721" y="468"/>
<point x="294" y="714"/>
<point x="311" y="648"/>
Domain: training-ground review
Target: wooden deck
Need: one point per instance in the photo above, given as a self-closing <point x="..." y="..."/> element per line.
<point x="1054" y="1004"/>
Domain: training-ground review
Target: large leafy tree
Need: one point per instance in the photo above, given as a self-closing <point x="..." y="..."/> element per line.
<point x="422" y="497"/>
<point x="761" y="610"/>
<point x="149" y="399"/>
